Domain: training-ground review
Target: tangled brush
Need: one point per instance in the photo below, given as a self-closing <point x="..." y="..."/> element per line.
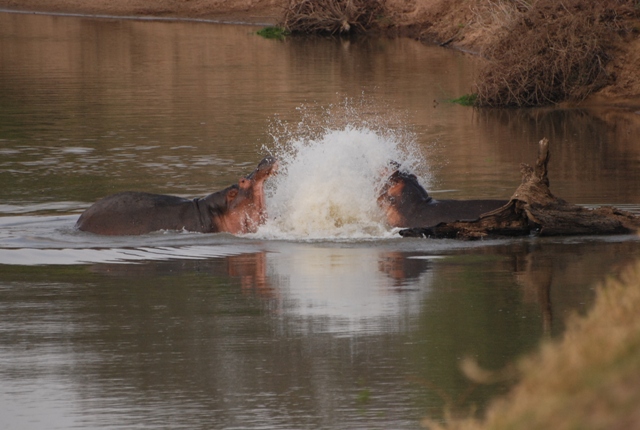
<point x="331" y="16"/>
<point x="554" y="51"/>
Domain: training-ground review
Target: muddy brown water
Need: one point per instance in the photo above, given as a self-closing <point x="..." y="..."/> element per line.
<point x="306" y="324"/>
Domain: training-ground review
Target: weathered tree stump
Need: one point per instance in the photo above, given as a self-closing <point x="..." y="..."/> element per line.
<point x="534" y="210"/>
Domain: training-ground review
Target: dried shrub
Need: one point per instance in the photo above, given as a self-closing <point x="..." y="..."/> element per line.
<point x="554" y="51"/>
<point x="331" y="16"/>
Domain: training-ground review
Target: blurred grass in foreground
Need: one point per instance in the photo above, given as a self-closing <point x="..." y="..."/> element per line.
<point x="590" y="379"/>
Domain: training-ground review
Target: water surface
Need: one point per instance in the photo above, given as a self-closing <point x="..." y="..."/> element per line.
<point x="324" y="318"/>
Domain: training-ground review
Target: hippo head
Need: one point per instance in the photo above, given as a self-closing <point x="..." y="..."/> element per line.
<point x="240" y="208"/>
<point x="401" y="198"/>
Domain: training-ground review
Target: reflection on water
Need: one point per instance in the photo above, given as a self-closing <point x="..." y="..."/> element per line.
<point x="593" y="152"/>
<point x="292" y="336"/>
<point x="324" y="318"/>
<point x="343" y="289"/>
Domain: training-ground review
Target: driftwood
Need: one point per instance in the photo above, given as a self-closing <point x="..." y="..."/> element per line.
<point x="534" y="210"/>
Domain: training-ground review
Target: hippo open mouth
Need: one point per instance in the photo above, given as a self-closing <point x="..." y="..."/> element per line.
<point x="250" y="201"/>
<point x="267" y="167"/>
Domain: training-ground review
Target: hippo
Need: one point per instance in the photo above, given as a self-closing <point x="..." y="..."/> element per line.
<point x="407" y="204"/>
<point x="237" y="209"/>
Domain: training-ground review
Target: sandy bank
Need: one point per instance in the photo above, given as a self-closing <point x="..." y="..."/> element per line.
<point x="473" y="25"/>
<point x="245" y="11"/>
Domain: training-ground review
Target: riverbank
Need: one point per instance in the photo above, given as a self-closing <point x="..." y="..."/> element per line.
<point x="258" y="12"/>
<point x="477" y="26"/>
<point x="529" y="45"/>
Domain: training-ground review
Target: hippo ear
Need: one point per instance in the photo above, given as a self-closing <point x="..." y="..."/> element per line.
<point x="232" y="194"/>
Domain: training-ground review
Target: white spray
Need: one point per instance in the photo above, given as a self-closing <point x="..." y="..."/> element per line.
<point x="329" y="180"/>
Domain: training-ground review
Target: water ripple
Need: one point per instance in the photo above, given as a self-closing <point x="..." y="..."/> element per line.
<point x="68" y="256"/>
<point x="53" y="240"/>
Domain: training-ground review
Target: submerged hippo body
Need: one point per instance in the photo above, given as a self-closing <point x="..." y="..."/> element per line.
<point x="407" y="204"/>
<point x="236" y="209"/>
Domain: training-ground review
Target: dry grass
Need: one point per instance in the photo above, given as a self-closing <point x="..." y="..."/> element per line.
<point x="589" y="380"/>
<point x="550" y="51"/>
<point x="331" y="16"/>
<point x="498" y="15"/>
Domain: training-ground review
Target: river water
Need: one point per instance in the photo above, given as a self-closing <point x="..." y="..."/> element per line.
<point x="324" y="318"/>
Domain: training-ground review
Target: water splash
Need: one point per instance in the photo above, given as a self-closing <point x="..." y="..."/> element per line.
<point x="330" y="177"/>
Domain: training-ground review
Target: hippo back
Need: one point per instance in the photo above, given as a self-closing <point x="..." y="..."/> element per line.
<point x="437" y="211"/>
<point x="133" y="213"/>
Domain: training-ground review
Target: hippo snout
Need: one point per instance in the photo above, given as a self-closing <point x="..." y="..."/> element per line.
<point x="267" y="167"/>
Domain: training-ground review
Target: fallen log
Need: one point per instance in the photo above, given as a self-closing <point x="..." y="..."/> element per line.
<point x="534" y="210"/>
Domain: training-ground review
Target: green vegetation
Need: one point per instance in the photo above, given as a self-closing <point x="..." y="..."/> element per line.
<point x="278" y="33"/>
<point x="465" y="100"/>
<point x="588" y="380"/>
<point x="364" y="396"/>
